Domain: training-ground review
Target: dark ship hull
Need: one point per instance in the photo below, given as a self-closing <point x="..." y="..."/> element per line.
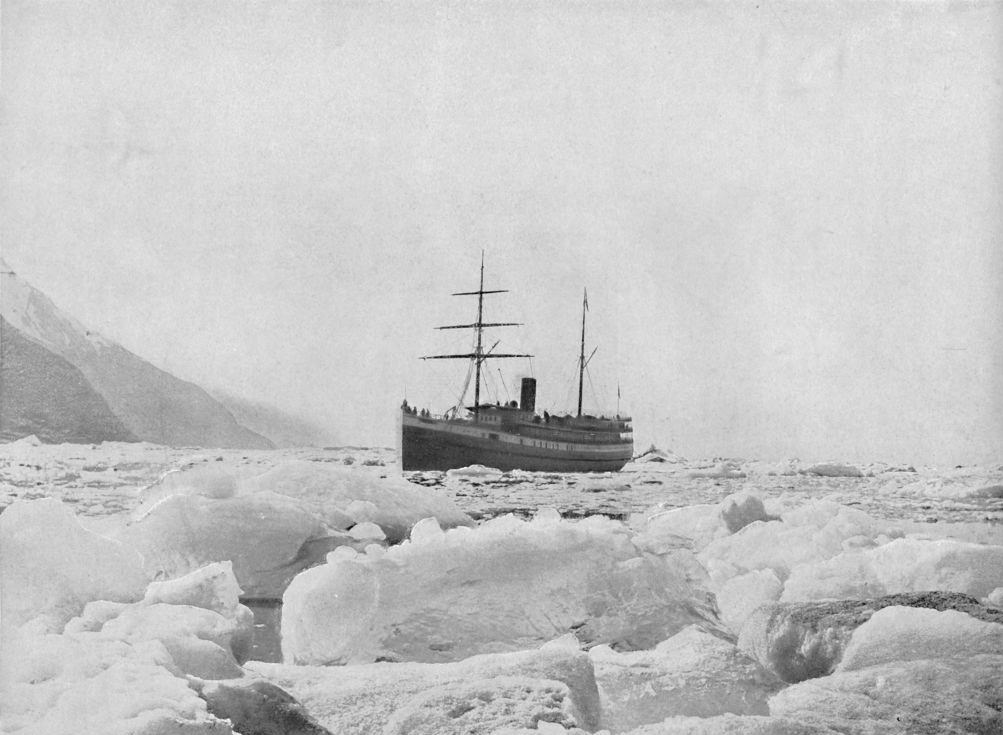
<point x="507" y="438"/>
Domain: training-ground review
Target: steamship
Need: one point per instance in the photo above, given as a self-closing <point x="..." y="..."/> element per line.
<point x="511" y="436"/>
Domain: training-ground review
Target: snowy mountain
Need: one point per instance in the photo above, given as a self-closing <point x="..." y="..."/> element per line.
<point x="151" y="404"/>
<point x="43" y="394"/>
<point x="283" y="429"/>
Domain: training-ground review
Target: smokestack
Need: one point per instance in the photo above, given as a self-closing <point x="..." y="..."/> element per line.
<point x="527" y="401"/>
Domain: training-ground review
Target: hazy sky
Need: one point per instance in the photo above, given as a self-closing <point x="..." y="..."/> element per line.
<point x="787" y="214"/>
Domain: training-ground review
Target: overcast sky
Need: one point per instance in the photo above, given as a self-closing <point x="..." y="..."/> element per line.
<point x="787" y="215"/>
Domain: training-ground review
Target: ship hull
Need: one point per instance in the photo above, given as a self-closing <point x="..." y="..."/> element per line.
<point x="437" y="444"/>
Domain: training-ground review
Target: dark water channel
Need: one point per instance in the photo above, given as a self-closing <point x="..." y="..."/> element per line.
<point x="266" y="644"/>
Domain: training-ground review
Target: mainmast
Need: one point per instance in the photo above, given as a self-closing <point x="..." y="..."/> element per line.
<point x="480" y="332"/>
<point x="582" y="362"/>
<point x="478" y="355"/>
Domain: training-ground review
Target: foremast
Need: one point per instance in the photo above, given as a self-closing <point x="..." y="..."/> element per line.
<point x="582" y="362"/>
<point x="479" y="355"/>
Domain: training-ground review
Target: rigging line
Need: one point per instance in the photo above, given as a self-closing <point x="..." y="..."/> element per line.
<point x="601" y="409"/>
<point x="489" y="385"/>
<point x="466" y="386"/>
<point x="464" y="389"/>
<point x="502" y="379"/>
<point x="572" y="381"/>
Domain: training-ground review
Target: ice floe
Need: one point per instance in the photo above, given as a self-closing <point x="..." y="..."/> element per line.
<point x="124" y="667"/>
<point x="555" y="681"/>
<point x="834" y="469"/>
<point x="813" y="532"/>
<point x="729" y="724"/>
<point x="723" y="469"/>
<point x="947" y="696"/>
<point x="803" y="640"/>
<point x="901" y="565"/>
<point x="693" y="673"/>
<point x="907" y="633"/>
<point x="51" y="566"/>
<point x="343" y="497"/>
<point x="505" y="585"/>
<point x="268" y="538"/>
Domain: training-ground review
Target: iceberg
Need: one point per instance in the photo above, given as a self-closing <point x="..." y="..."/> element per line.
<point x="729" y="724"/>
<point x="213" y="587"/>
<point x="51" y="566"/>
<point x="947" y="696"/>
<point x="483" y="705"/>
<point x="740" y="509"/>
<point x="739" y="597"/>
<point x="267" y="537"/>
<point x="207" y="480"/>
<point x="475" y="471"/>
<point x="344" y="496"/>
<point x="555" y="681"/>
<point x="726" y="469"/>
<point x="802" y="640"/>
<point x="693" y="673"/>
<point x="506" y="585"/>
<point x="902" y="565"/>
<point x="124" y="667"/>
<point x="783" y="468"/>
<point x="89" y="684"/>
<point x="692" y="526"/>
<point x="834" y="469"/>
<point x="909" y="633"/>
<point x="703" y="523"/>
<point x="995" y="598"/>
<point x="813" y="532"/>
<point x="951" y="485"/>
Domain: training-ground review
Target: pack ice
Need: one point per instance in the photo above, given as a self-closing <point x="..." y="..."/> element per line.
<point x="50" y="566"/>
<point x="273" y="525"/>
<point x="505" y="585"/>
<point x="802" y="640"/>
<point x="89" y="647"/>
<point x="343" y="496"/>
<point x="553" y="684"/>
<point x="693" y="673"/>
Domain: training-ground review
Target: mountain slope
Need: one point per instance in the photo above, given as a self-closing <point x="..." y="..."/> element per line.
<point x="43" y="394"/>
<point x="151" y="403"/>
<point x="283" y="429"/>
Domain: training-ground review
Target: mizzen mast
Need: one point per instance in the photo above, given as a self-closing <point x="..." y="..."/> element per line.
<point x="478" y="356"/>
